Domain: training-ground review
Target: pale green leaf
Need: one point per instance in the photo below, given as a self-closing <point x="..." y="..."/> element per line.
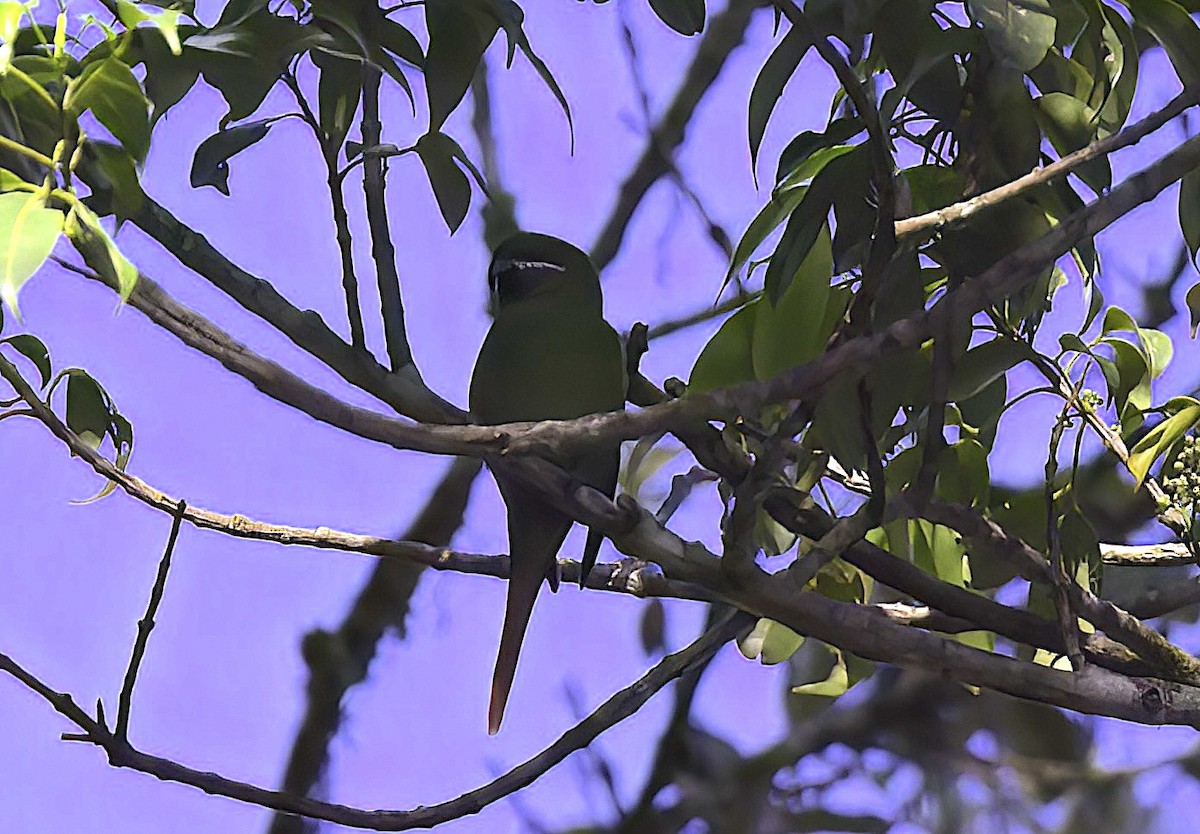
<point x="28" y="232"/>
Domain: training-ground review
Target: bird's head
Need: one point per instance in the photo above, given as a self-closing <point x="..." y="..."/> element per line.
<point x="531" y="265"/>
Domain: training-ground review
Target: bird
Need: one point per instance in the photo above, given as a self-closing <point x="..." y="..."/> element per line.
<point x="549" y="355"/>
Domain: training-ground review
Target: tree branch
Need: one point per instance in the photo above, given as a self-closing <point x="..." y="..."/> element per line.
<point x="339" y="660"/>
<point x="145" y="626"/>
<point x="403" y="391"/>
<point x="723" y="35"/>
<point x="612" y="711"/>
<point x="382" y="251"/>
<point x="914" y="229"/>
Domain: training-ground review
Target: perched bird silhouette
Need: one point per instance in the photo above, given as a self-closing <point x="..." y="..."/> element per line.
<point x="549" y="355"/>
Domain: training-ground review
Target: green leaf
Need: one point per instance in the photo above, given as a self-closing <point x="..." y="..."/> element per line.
<point x="1158" y="348"/>
<point x="780" y="66"/>
<point x="766" y="221"/>
<point x="982" y="365"/>
<point x="166" y="21"/>
<point x="14" y="182"/>
<point x="88" y="236"/>
<point x="1070" y="125"/>
<point x="793" y="330"/>
<point x="728" y="356"/>
<point x="210" y="165"/>
<point x="358" y="30"/>
<point x="1160" y="438"/>
<point x="511" y="18"/>
<point x="33" y="349"/>
<point x="963" y="473"/>
<point x="1174" y="28"/>
<point x="450" y="184"/>
<point x="772" y="537"/>
<point x="770" y="643"/>
<point x="1020" y="31"/>
<point x="244" y="55"/>
<point x="399" y="41"/>
<point x="836" y="684"/>
<point x="940" y="551"/>
<point x="1080" y="546"/>
<point x="684" y="16"/>
<point x="109" y="89"/>
<point x="1193" y="304"/>
<point x="913" y="47"/>
<point x="28" y="232"/>
<point x="808" y="142"/>
<point x="1133" y="371"/>
<point x="1189" y="213"/>
<point x="88" y="412"/>
<point x="459" y="32"/>
<point x="113" y="179"/>
<point x="1117" y="320"/>
<point x="338" y="93"/>
<point x="10" y="22"/>
<point x="168" y="77"/>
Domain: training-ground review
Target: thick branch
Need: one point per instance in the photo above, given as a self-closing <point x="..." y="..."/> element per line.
<point x="1118" y="624"/>
<point x="620" y="577"/>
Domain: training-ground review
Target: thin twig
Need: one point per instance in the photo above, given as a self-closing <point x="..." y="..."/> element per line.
<point x="146" y="625"/>
<point x="1067" y="621"/>
<point x="500" y="210"/>
<point x="341" y="220"/>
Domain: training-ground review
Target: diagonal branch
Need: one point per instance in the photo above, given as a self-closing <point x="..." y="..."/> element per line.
<point x="607" y="577"/>
<point x="404" y="391"/>
<point x="345" y="654"/>
<point x="1118" y="624"/>
<point x="617" y="708"/>
<point x="922" y="226"/>
<point x="723" y="35"/>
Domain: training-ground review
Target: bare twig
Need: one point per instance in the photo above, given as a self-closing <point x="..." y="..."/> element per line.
<point x="499" y="212"/>
<point x="1067" y="621"/>
<point x="145" y="626"/>
<point x="708" y="313"/>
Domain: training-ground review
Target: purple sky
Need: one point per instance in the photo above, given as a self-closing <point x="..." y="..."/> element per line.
<point x="221" y="687"/>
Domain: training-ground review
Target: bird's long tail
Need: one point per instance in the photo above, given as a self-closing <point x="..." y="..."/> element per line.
<point x="523" y="585"/>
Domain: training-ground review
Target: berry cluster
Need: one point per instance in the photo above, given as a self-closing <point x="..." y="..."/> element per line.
<point x="1184" y="483"/>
